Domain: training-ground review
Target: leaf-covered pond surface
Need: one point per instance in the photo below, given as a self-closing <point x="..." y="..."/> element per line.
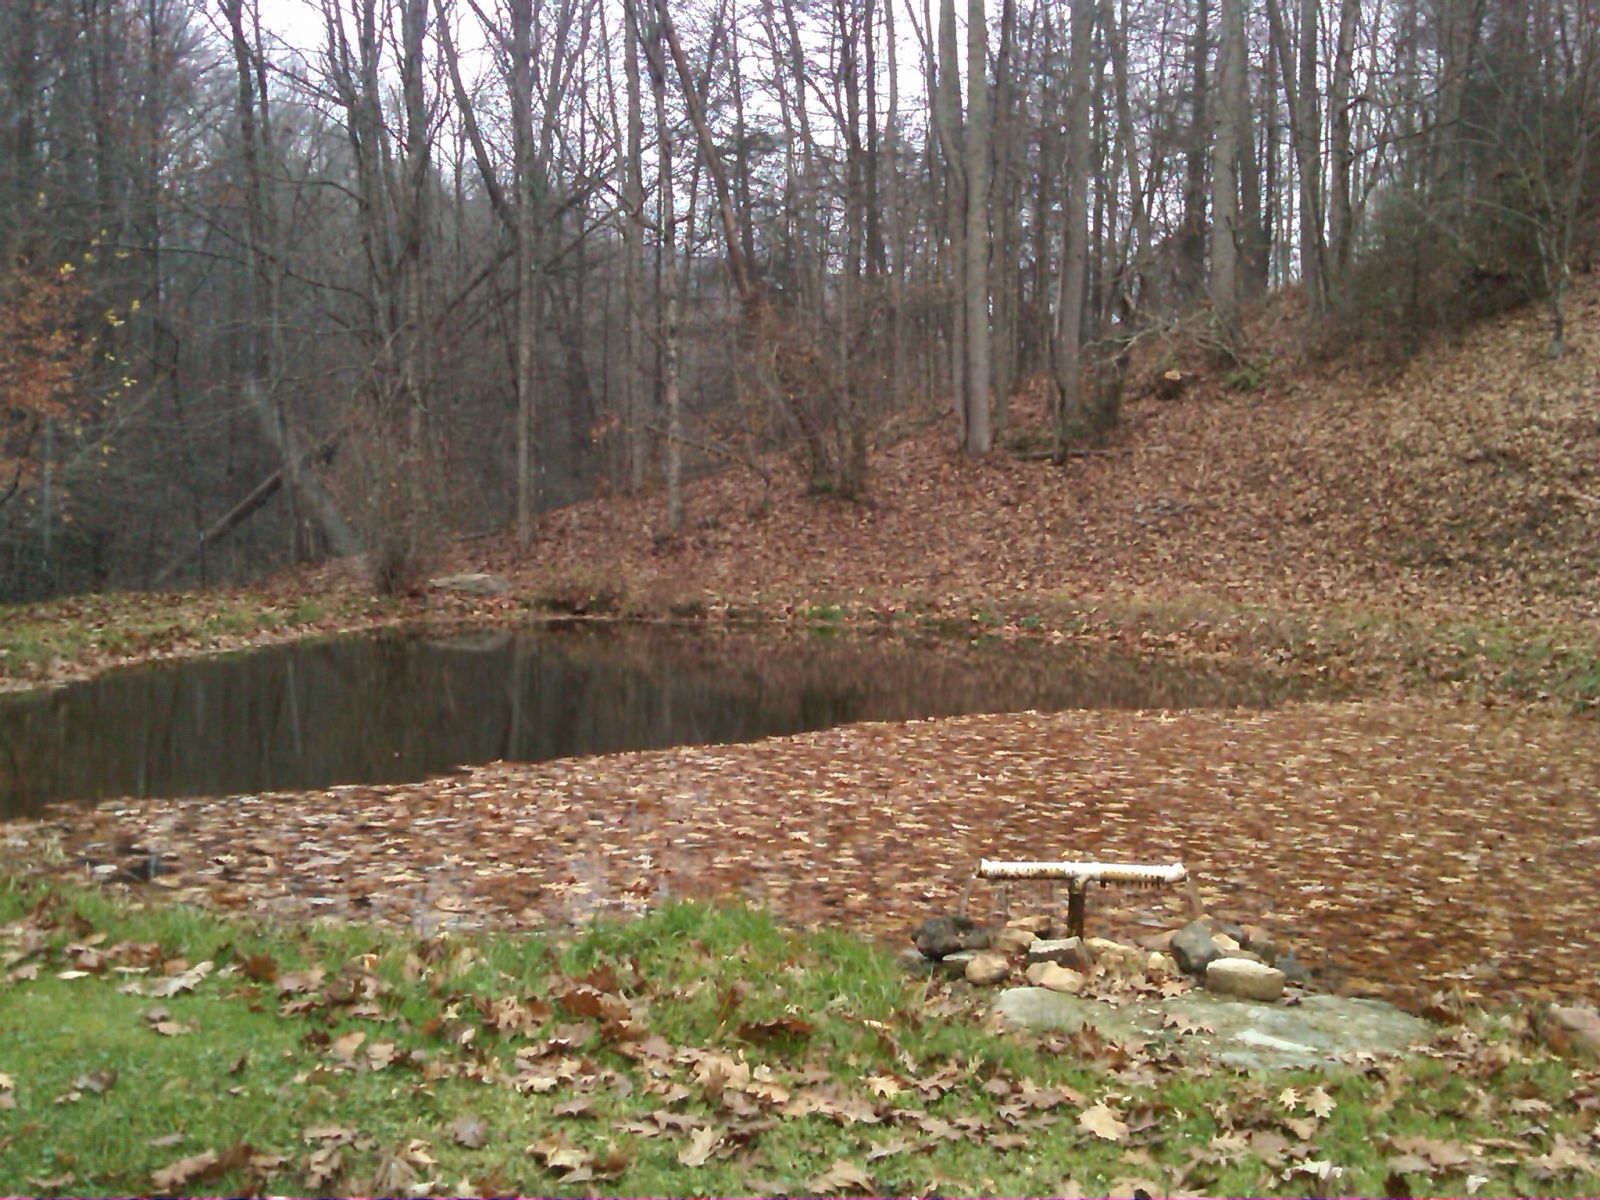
<point x="390" y="708"/>
<point x="1401" y="848"/>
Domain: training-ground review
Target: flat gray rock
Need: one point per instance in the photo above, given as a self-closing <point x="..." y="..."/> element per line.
<point x="475" y="583"/>
<point x="1315" y="1033"/>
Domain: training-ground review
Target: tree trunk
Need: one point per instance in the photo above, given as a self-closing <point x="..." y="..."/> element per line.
<point x="1192" y="235"/>
<point x="1225" y="214"/>
<point x="979" y="433"/>
<point x="1339" y="211"/>
<point x="1067" y="342"/>
<point x="946" y="82"/>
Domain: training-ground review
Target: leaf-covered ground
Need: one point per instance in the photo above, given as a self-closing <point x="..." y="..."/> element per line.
<point x="1405" y="848"/>
<point x="1469" y="483"/>
<point x="696" y="1052"/>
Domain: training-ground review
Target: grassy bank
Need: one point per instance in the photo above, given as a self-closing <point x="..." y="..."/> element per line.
<point x="81" y="635"/>
<point x="1348" y="650"/>
<point x="696" y="1052"/>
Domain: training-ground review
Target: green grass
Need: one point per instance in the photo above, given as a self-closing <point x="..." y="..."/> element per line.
<point x="816" y="1014"/>
<point x="86" y="628"/>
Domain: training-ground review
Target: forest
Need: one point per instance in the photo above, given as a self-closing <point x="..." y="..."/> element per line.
<point x="279" y="282"/>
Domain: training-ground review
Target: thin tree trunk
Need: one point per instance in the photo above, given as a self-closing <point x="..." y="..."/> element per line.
<point x="1339" y="211"/>
<point x="946" y="84"/>
<point x="979" y="433"/>
<point x="1067" y="341"/>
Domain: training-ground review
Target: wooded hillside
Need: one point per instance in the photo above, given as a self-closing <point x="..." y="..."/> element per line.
<point x="437" y="266"/>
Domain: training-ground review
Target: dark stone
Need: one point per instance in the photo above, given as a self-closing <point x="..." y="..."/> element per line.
<point x="1229" y="929"/>
<point x="1193" y="948"/>
<point x="938" y="936"/>
<point x="1258" y="941"/>
<point x="1294" y="971"/>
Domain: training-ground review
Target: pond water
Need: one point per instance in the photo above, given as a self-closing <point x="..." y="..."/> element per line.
<point x="400" y="707"/>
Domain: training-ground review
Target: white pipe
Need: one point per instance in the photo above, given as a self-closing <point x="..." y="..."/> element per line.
<point x="1083" y="872"/>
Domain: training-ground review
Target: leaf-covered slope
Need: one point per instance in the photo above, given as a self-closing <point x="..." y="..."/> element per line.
<point x="1472" y="477"/>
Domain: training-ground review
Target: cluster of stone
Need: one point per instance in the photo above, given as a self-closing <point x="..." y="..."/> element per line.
<point x="1231" y="960"/>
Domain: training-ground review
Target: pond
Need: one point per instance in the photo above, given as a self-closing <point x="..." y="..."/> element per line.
<point x="391" y="708"/>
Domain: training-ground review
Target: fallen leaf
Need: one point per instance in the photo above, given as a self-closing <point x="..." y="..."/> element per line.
<point x="328" y="1133"/>
<point x="701" y="1145"/>
<point x="183" y="981"/>
<point x="259" y="968"/>
<point x="344" y="1048"/>
<point x="1304" y="1128"/>
<point x="1319" y="1103"/>
<point x="1103" y="1123"/>
<point x="886" y="1086"/>
<point x="1439" y="1154"/>
<point x="470" y="1131"/>
<point x="185" y="1170"/>
<point x="841" y="1177"/>
<point x="558" y="1154"/>
<point x="777" y="1029"/>
<point x="97" y="1082"/>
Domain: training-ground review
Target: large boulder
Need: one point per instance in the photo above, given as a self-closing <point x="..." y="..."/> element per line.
<point x="1193" y="948"/>
<point x="1320" y="1031"/>
<point x="940" y="936"/>
<point x="473" y="583"/>
<point x="1245" y="978"/>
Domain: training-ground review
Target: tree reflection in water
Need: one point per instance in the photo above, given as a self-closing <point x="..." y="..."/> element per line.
<point x="389" y="708"/>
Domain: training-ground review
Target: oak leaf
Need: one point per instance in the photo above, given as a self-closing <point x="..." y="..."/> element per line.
<point x="1103" y="1123"/>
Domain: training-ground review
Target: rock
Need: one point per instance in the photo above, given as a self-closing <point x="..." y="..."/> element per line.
<point x="1244" y="978"/>
<point x="1193" y="948"/>
<point x="1114" y="957"/>
<point x="1228" y="929"/>
<point x="1056" y="978"/>
<point x="1572" y="1030"/>
<point x="1160" y="966"/>
<point x="1157" y="941"/>
<point x="1227" y="944"/>
<point x="915" y="962"/>
<point x="1258" y="941"/>
<point x="987" y="969"/>
<point x="1317" y="1032"/>
<point x="475" y="583"/>
<point x="938" y="937"/>
<point x="1012" y="940"/>
<point x="1038" y="924"/>
<point x="1067" y="952"/>
<point x="1294" y="971"/>
<point x="955" y="963"/>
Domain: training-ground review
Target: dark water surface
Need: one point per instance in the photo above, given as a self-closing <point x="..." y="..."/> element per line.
<point x="400" y="707"/>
